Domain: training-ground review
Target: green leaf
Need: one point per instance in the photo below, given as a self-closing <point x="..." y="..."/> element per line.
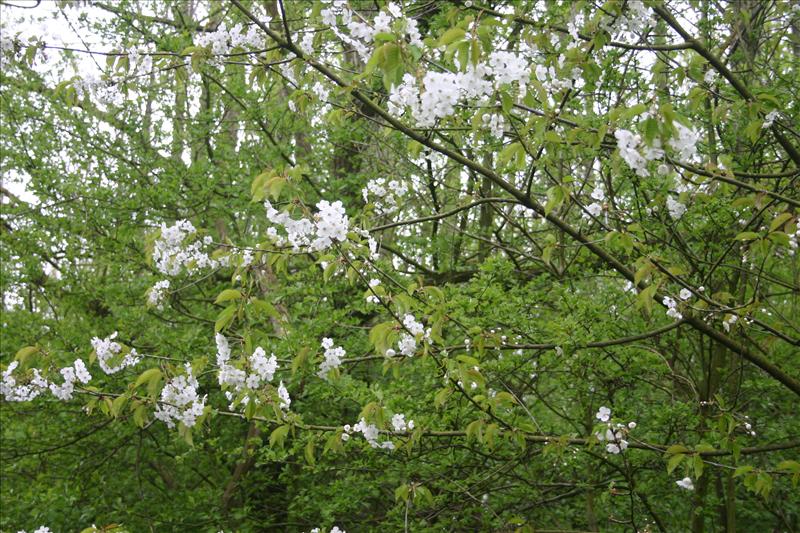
<point x="309" y="453"/>
<point x="24" y="353"/>
<point x="475" y="431"/>
<point x="225" y="318"/>
<point x="147" y="376"/>
<point x="401" y="493"/>
<point x="278" y="435"/>
<point x="779" y="221"/>
<point x="450" y="36"/>
<point x="228" y="295"/>
<point x="674" y="461"/>
<point x="746" y="236"/>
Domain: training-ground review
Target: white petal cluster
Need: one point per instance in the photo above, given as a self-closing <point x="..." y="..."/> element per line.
<point x="70" y="374"/>
<point x="262" y="370"/>
<point x="223" y="40"/>
<point x="263" y="367"/>
<point x="329" y="224"/>
<point x="333" y="357"/>
<point x="386" y="197"/>
<point x="496" y="124"/>
<point x="41" y="529"/>
<point x="25" y="392"/>
<point x="614" y="434"/>
<point x="595" y="208"/>
<point x="627" y="143"/>
<point x="400" y="425"/>
<point x="675" y="208"/>
<point x="672" y="308"/>
<point x="13" y="391"/>
<point x="436" y="95"/>
<point x="283" y="396"/>
<point x="157" y="294"/>
<point x="729" y="321"/>
<point x="636" y="18"/>
<point x="407" y="345"/>
<point x="769" y="119"/>
<point x="370" y="433"/>
<point x="685" y="142"/>
<point x="334" y="529"/>
<point x="685" y="483"/>
<point x="107" y="350"/>
<point x="175" y="250"/>
<point x="180" y="401"/>
<point x="360" y="32"/>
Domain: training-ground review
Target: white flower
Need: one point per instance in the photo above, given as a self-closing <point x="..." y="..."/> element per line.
<point x="612" y="448"/>
<point x="672" y="308"/>
<point x="676" y="209"/>
<point x="81" y="372"/>
<point x="407" y="345"/>
<point x="729" y="321"/>
<point x="158" y="292"/>
<point x="411" y="324"/>
<point x="685" y="294"/>
<point x="685" y="483"/>
<point x="770" y="119"/>
<point x="180" y="401"/>
<point x="333" y="357"/>
<point x="627" y="143"/>
<point x="283" y="395"/>
<point x="603" y="414"/>
<point x="263" y="366"/>
<point x="107" y="349"/>
<point x="174" y="250"/>
<point x="685" y="142"/>
<point x="400" y="425"/>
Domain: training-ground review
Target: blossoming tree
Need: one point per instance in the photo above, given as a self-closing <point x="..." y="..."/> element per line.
<point x="351" y="265"/>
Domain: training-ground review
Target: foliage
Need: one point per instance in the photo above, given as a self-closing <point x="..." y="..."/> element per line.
<point x="464" y="266"/>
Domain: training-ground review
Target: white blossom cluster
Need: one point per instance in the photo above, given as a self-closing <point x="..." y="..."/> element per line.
<point x="174" y="249"/>
<point x="333" y="357"/>
<point x="438" y="93"/>
<point x="635" y="19"/>
<point x="495" y="123"/>
<point x="675" y="208"/>
<point x="223" y="40"/>
<point x="70" y="374"/>
<point x="685" y="483"/>
<point x="614" y="434"/>
<point x="180" y="401"/>
<point x="262" y="368"/>
<point x="407" y="345"/>
<point x="328" y="225"/>
<point x="370" y="433"/>
<point x="769" y="119"/>
<point x="361" y="33"/>
<point x="729" y="321"/>
<point x="372" y="298"/>
<point x="595" y="208"/>
<point x="25" y="392"/>
<point x="42" y="529"/>
<point x="108" y="350"/>
<point x="672" y="308"/>
<point x="334" y="529"/>
<point x="385" y="196"/>
<point x="637" y="154"/>
<point x="157" y="294"/>
<point x="400" y="425"/>
<point x="283" y="396"/>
